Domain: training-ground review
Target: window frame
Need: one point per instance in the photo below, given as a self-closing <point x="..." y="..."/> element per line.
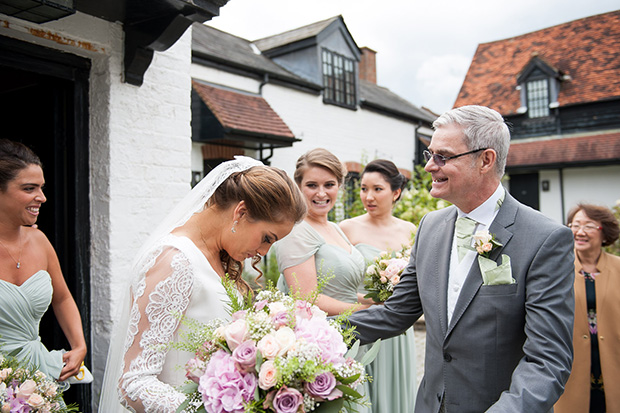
<point x="538" y="100"/>
<point x="339" y="79"/>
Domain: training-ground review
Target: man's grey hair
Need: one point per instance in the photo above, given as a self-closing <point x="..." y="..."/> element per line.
<point x="483" y="128"/>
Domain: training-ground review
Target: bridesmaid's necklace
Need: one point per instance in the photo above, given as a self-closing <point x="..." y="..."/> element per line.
<point x="19" y="258"/>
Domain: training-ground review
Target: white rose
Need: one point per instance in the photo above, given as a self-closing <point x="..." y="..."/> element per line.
<point x="318" y="313"/>
<point x="235" y="333"/>
<point x="286" y="339"/>
<point x="36" y="400"/>
<point x="482" y="236"/>
<point x="275" y="308"/>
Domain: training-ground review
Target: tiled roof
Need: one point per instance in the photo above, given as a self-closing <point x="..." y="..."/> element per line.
<point x="378" y="97"/>
<point x="588" y="50"/>
<point x="242" y="112"/>
<point x="222" y="47"/>
<point x="601" y="148"/>
<point x="295" y="35"/>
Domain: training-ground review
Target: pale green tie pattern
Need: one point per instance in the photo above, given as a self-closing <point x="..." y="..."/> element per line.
<point x="464" y="231"/>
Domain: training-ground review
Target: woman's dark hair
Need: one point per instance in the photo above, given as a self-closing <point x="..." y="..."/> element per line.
<point x="14" y="157"/>
<point x="608" y="221"/>
<point x="390" y="173"/>
<point x="269" y="195"/>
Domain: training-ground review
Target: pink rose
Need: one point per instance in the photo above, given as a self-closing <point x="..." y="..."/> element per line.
<point x="244" y="356"/>
<point x="303" y="309"/>
<point x="4" y="373"/>
<point x="276" y="308"/>
<point x="287" y="400"/>
<point x="235" y="333"/>
<point x="238" y="315"/>
<point x="487" y="247"/>
<point x="268" y="346"/>
<point x="194" y="369"/>
<point x="268" y="375"/>
<point x="26" y="389"/>
<point x="36" y="400"/>
<point x="259" y="305"/>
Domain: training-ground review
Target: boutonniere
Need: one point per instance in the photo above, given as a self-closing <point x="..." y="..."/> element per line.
<point x="485" y="242"/>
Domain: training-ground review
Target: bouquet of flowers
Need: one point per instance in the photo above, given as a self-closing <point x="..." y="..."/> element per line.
<point x="24" y="389"/>
<point x="277" y="354"/>
<point x="384" y="273"/>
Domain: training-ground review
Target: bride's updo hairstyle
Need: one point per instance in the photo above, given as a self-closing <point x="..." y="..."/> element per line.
<point x="269" y="195"/>
<point x="321" y="158"/>
<point x="14" y="157"/>
<point x="390" y="173"/>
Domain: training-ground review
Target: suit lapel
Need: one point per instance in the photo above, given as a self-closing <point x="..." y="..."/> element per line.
<point x="504" y="219"/>
<point x="442" y="264"/>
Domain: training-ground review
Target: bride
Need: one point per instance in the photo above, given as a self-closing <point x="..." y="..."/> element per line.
<point x="236" y="212"/>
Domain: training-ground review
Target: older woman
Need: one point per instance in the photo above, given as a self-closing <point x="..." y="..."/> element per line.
<point x="596" y="337"/>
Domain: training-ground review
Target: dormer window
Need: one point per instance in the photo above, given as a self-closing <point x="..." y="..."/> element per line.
<point x="538" y="98"/>
<point x="539" y="84"/>
<point x="338" y="79"/>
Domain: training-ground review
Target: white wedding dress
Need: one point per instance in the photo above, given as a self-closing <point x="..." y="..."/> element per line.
<point x="177" y="279"/>
<point x="171" y="277"/>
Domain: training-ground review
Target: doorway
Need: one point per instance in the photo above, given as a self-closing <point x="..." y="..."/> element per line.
<point x="44" y="104"/>
<point x="524" y="187"/>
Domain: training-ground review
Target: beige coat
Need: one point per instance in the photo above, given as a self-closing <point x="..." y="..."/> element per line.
<point x="576" y="397"/>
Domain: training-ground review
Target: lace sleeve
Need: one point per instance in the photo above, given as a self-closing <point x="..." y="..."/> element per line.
<point x="158" y="297"/>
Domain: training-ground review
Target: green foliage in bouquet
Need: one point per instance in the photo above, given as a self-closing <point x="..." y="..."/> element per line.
<point x="279" y="352"/>
<point x="25" y="389"/>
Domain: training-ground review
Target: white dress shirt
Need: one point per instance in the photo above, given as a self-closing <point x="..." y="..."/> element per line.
<point x="484" y="216"/>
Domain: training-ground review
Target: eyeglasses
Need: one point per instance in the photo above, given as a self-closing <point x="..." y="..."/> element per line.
<point x="440" y="160"/>
<point x="585" y="228"/>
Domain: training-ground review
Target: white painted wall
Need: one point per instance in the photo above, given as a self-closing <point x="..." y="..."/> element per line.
<point x="140" y="147"/>
<point x="595" y="185"/>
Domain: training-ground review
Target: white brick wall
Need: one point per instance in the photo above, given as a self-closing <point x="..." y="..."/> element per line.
<point x="140" y="146"/>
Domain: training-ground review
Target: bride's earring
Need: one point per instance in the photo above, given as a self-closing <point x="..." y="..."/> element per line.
<point x="233" y="229"/>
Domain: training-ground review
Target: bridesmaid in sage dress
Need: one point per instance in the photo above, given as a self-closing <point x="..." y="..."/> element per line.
<point x="30" y="274"/>
<point x="393" y="388"/>
<point x="317" y="247"/>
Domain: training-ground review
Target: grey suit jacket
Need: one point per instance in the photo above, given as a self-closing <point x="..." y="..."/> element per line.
<point x="508" y="348"/>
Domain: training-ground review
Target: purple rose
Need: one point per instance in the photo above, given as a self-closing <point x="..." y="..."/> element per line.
<point x="287" y="400"/>
<point x="320" y="332"/>
<point x="223" y="387"/>
<point x="244" y="356"/>
<point x="324" y="387"/>
<point x="281" y="319"/>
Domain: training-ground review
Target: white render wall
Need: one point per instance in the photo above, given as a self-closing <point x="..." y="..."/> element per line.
<point x="595" y="185"/>
<point x="140" y="151"/>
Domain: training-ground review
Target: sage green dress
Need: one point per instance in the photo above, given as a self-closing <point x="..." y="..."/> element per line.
<point x="20" y="313"/>
<point x="394" y="384"/>
<point x="346" y="268"/>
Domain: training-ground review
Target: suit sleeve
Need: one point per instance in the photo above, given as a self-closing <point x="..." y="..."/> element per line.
<point x="538" y="381"/>
<point x="398" y="313"/>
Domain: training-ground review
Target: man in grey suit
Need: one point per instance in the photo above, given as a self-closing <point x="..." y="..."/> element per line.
<point x="498" y="319"/>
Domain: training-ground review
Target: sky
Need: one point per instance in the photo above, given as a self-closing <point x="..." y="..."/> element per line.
<point x="424" y="48"/>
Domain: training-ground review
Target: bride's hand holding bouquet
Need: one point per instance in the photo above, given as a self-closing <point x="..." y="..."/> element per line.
<point x="277" y="354"/>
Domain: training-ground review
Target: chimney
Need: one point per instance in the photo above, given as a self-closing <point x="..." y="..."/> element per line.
<point x="368" y="65"/>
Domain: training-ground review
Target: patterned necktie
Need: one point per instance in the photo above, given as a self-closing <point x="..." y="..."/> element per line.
<point x="464" y="230"/>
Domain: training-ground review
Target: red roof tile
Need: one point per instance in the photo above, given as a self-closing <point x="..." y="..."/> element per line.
<point x="242" y="112"/>
<point x="586" y="49"/>
<point x="594" y="148"/>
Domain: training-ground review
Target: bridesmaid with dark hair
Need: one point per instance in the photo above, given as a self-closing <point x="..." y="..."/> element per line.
<point x="30" y="274"/>
<point x="393" y="388"/>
